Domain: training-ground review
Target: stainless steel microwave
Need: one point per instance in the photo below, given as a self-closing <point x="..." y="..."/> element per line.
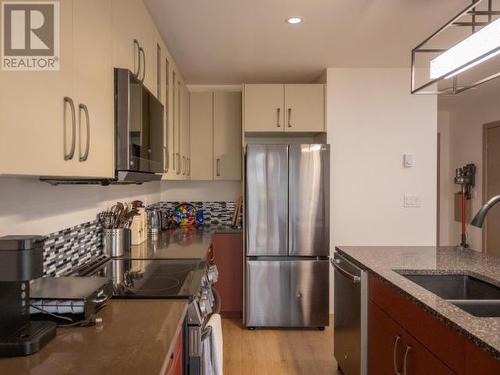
<point x="139" y="130"/>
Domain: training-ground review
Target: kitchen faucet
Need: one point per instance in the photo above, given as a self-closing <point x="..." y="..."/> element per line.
<point x="478" y="220"/>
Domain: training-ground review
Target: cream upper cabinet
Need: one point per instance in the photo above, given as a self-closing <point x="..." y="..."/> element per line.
<point x="215" y="119"/>
<point x="133" y="35"/>
<point x="227" y="135"/>
<point x="185" y="133"/>
<point x="202" y="132"/>
<point x="36" y="123"/>
<point x="93" y="90"/>
<point x="263" y="108"/>
<point x="60" y="123"/>
<point x="284" y="108"/>
<point x="305" y="108"/>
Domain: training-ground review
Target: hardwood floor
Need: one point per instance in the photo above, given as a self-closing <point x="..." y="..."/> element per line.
<point x="275" y="352"/>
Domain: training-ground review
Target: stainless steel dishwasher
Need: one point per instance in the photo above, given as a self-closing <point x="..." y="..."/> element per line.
<point x="350" y="316"/>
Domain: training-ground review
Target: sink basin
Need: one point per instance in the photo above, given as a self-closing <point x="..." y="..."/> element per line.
<point x="456" y="287"/>
<point x="482" y="308"/>
<point x="477" y="297"/>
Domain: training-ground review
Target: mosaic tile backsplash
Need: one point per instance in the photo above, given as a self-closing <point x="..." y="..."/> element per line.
<point x="214" y="213"/>
<point x="69" y="248"/>
<point x="65" y="250"/>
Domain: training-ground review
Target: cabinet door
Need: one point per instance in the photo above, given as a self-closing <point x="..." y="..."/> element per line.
<point x="93" y="78"/>
<point x="201" y="135"/>
<point x="131" y="21"/>
<point x="184" y="132"/>
<point x="305" y="108"/>
<point x="176" y="127"/>
<point x="417" y="360"/>
<point x="385" y="347"/>
<point x="263" y="108"/>
<point x="34" y="137"/>
<point x="227" y="136"/>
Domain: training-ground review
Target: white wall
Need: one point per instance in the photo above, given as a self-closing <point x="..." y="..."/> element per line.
<point x="372" y="121"/>
<point x="468" y="113"/>
<point x="446" y="189"/>
<point x="28" y="206"/>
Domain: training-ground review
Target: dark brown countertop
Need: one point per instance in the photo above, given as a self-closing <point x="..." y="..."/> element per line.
<point x="136" y="337"/>
<point x="384" y="261"/>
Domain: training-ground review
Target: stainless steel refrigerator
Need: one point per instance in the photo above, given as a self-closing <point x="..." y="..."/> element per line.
<point x="287" y="235"/>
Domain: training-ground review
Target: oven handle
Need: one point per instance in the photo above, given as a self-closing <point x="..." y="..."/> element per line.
<point x="336" y="264"/>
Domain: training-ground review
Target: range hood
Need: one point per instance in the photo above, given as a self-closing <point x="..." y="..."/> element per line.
<point x="122" y="178"/>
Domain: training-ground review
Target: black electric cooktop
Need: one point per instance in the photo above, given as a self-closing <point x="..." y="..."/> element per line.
<point x="150" y="278"/>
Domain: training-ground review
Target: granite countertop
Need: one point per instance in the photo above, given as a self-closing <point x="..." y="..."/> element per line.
<point x="136" y="337"/>
<point x="180" y="243"/>
<point x="383" y="261"/>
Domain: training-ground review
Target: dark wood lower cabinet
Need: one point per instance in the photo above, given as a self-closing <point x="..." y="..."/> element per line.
<point x="228" y="251"/>
<point x="405" y="339"/>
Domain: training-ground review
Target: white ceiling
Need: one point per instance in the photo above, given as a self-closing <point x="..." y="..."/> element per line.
<point x="235" y="41"/>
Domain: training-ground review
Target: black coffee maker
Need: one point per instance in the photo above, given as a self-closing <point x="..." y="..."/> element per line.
<point x="21" y="260"/>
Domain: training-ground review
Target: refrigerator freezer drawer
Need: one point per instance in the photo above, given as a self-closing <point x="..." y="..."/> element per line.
<point x="287" y="293"/>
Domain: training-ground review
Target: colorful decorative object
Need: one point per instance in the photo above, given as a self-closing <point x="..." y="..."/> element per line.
<point x="186" y="214"/>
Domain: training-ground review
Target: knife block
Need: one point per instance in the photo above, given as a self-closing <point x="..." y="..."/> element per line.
<point x="139" y="227"/>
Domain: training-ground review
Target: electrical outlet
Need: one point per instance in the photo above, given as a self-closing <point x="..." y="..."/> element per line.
<point x="412" y="201"/>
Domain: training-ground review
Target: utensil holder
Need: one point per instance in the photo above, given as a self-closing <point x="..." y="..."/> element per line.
<point x="116" y="241"/>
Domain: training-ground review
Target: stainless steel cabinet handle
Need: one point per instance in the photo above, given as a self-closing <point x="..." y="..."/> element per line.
<point x="137" y="47"/>
<point x="178" y="169"/>
<point x="166" y="160"/>
<point x="69" y="155"/>
<point x="189" y="166"/>
<point x="83" y="107"/>
<point x="141" y="52"/>
<point x="405" y="361"/>
<point x="355" y="279"/>
<point x="289" y="117"/>
<point x="218" y="167"/>
<point x="184" y="166"/>
<point x="278" y="111"/>
<point x="395" y="355"/>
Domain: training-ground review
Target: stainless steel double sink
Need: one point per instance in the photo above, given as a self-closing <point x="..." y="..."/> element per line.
<point x="477" y="297"/>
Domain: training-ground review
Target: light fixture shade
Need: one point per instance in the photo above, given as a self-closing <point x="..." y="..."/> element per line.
<point x="479" y="47"/>
<point x="294" y="20"/>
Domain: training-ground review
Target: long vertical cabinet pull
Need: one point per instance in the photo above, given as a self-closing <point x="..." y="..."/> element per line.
<point x="218" y="167"/>
<point x="143" y="54"/>
<point x="137" y="54"/>
<point x="178" y="163"/>
<point x="83" y="107"/>
<point x="289" y="117"/>
<point x="395" y="355"/>
<point x="278" y="112"/>
<point x="69" y="155"/>
<point x="183" y="165"/>
<point x="405" y="361"/>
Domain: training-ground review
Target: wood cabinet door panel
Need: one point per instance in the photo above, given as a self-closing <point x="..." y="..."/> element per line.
<point x="227" y="136"/>
<point x="305" y="108"/>
<point x="263" y="108"/>
<point x="419" y="361"/>
<point x="33" y="133"/>
<point x="383" y="342"/>
<point x="201" y="134"/>
<point x="93" y="78"/>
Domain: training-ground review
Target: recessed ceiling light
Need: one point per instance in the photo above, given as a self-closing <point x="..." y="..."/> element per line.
<point x="294" y="20"/>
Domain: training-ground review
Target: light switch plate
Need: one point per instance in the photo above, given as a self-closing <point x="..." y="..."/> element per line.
<point x="408" y="160"/>
<point x="412" y="201"/>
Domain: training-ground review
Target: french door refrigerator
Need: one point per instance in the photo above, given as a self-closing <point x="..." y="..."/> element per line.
<point x="287" y="235"/>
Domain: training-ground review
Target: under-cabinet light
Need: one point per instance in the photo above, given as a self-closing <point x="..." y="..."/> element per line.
<point x="467" y="53"/>
<point x="294" y="20"/>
